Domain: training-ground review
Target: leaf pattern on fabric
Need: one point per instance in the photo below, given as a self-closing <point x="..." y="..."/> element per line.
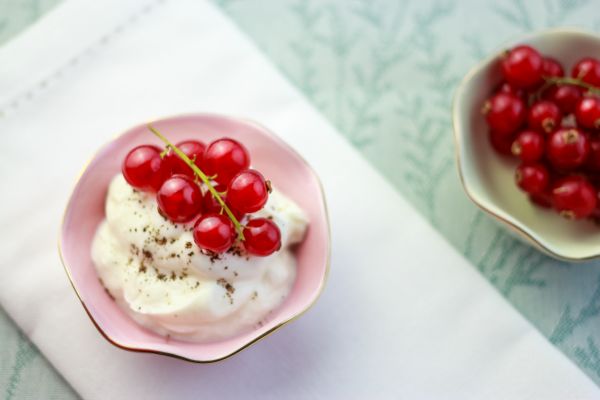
<point x="25" y="354"/>
<point x="384" y="73"/>
<point x="589" y="356"/>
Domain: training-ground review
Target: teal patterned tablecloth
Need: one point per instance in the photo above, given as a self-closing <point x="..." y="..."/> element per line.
<point x="384" y="73"/>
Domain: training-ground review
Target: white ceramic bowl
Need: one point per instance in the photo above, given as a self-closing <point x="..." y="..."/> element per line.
<point x="488" y="178"/>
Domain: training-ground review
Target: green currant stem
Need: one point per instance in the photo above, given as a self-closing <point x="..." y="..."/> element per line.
<point x="562" y="80"/>
<point x="204" y="178"/>
<point x="555" y="80"/>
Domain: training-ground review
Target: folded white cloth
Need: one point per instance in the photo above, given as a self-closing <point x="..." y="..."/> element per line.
<point x="403" y="314"/>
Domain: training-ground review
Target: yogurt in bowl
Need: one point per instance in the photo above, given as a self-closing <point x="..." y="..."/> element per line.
<point x="111" y="294"/>
<point x="158" y="275"/>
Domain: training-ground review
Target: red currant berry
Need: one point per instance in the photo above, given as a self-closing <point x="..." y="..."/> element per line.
<point x="587" y="112"/>
<point x="565" y="97"/>
<point x="544" y="116"/>
<point x="179" y="199"/>
<point x="593" y="161"/>
<point x="532" y="178"/>
<point x="214" y="232"/>
<point x="247" y="192"/>
<point x="211" y="205"/>
<point x="224" y="158"/>
<point x="261" y="237"/>
<point x="574" y="197"/>
<point x="144" y="169"/>
<point x="595" y="215"/>
<point x="529" y="146"/>
<point x="588" y="70"/>
<point x="191" y="148"/>
<point x="505" y="113"/>
<point x="522" y="67"/>
<point x="568" y="148"/>
<point x="507" y="88"/>
<point x="542" y="199"/>
<point x="501" y="143"/>
<point x="551" y="67"/>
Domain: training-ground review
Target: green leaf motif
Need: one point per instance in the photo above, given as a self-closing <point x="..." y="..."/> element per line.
<point x="569" y="322"/>
<point x="556" y="13"/>
<point x="384" y="72"/>
<point x="15" y="15"/>
<point x="25" y="354"/>
<point x="517" y="15"/>
<point x="589" y="356"/>
<point x="559" y="10"/>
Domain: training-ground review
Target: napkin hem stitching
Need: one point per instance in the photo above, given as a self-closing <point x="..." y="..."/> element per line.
<point x="35" y="89"/>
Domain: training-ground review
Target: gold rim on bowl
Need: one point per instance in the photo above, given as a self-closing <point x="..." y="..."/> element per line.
<point x="459" y="132"/>
<point x="258" y="338"/>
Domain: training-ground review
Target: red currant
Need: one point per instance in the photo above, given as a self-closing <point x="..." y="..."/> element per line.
<point x="593" y="161"/>
<point x="261" y="237"/>
<point x="544" y="116"/>
<point x="532" y="178"/>
<point x="247" y="192"/>
<point x="505" y="113"/>
<point x="551" y="67"/>
<point x="574" y="197"/>
<point x="542" y="199"/>
<point x="191" y="148"/>
<point x="179" y="199"/>
<point x="588" y="70"/>
<point x="529" y="146"/>
<point x="522" y="67"/>
<point x="224" y="158"/>
<point x="562" y="136"/>
<point x="501" y="143"/>
<point x="214" y="232"/>
<point x="211" y="205"/>
<point x="587" y="112"/>
<point x="595" y="215"/>
<point x="507" y="88"/>
<point x="565" y="97"/>
<point x="568" y="148"/>
<point x="144" y="169"/>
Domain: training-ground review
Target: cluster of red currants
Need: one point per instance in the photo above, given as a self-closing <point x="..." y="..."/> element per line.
<point x="228" y="192"/>
<point x="551" y="123"/>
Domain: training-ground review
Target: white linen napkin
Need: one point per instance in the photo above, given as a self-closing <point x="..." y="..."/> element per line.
<point x="403" y="314"/>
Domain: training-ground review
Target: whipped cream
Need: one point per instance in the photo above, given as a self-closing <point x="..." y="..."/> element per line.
<point x="158" y="275"/>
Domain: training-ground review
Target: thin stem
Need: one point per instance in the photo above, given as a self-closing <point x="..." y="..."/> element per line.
<point x="561" y="80"/>
<point x="204" y="178"/>
<point x="539" y="93"/>
<point x="572" y="81"/>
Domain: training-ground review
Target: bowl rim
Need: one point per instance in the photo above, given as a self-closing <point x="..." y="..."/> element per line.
<point x="280" y="142"/>
<point x="459" y="132"/>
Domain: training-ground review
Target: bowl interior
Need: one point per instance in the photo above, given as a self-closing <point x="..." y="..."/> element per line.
<point x="489" y="178"/>
<point x="286" y="169"/>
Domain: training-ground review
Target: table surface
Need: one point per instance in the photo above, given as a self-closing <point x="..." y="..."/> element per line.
<point x="384" y="72"/>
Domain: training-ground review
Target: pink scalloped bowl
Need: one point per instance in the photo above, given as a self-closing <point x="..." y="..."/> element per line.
<point x="85" y="210"/>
